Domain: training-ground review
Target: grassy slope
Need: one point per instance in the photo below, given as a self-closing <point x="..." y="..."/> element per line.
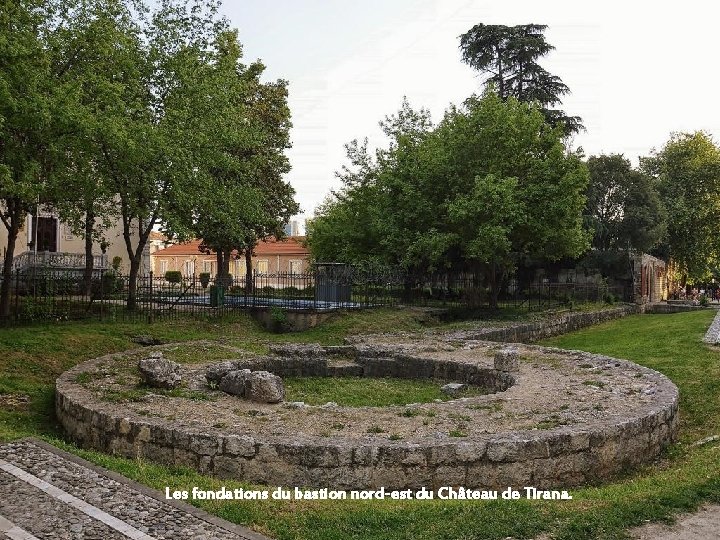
<point x="31" y="358"/>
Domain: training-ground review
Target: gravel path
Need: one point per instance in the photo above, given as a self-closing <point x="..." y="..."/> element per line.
<point x="46" y="493"/>
<point x="703" y="525"/>
<point x="712" y="336"/>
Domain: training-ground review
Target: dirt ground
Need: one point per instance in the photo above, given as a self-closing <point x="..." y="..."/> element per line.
<point x="703" y="525"/>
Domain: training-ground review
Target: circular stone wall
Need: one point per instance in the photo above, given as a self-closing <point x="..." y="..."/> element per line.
<point x="562" y="419"/>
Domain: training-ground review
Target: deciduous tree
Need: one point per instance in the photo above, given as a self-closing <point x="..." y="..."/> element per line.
<point x="492" y="184"/>
<point x="29" y="100"/>
<point x="623" y="208"/>
<point x="688" y="174"/>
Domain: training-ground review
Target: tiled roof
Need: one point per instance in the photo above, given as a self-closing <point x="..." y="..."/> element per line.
<point x="288" y="246"/>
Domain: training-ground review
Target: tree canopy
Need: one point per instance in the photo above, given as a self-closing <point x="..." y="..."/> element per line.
<point x="509" y="55"/>
<point x="623" y="207"/>
<point x="491" y="184"/>
<point x="142" y="112"/>
<point x="687" y="170"/>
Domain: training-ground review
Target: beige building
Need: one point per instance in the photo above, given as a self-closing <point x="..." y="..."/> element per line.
<point x="46" y="241"/>
<point x="287" y="256"/>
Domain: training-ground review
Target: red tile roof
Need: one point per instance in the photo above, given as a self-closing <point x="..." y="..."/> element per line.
<point x="292" y="245"/>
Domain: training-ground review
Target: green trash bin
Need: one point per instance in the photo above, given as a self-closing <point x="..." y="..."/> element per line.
<point x="217" y="295"/>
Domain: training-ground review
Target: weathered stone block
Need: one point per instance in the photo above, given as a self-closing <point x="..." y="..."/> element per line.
<point x="507" y="359"/>
<point x="239" y="445"/>
<point x="236" y="382"/>
<point x="215" y="372"/>
<point x="265" y="387"/>
<point x="227" y="467"/>
<point x="453" y="389"/>
<point x="158" y="372"/>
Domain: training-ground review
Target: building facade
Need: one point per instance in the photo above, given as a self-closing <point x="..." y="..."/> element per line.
<point x="44" y="240"/>
<point x="287" y="256"/>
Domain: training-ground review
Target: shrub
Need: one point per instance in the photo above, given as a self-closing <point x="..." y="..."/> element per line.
<point x="109" y="283"/>
<point x="112" y="283"/>
<point x="116" y="263"/>
<point x="278" y="319"/>
<point x="226" y="281"/>
<point x="204" y="279"/>
<point x="704" y="301"/>
<point x="173" y="276"/>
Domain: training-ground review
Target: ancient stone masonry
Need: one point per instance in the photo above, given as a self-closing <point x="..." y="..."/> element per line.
<point x="158" y="372"/>
<point x="552" y="418"/>
<point x="260" y="386"/>
<point x="712" y="336"/>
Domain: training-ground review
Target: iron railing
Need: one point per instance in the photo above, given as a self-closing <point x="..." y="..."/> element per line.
<point x="56" y="260"/>
<point x="53" y="294"/>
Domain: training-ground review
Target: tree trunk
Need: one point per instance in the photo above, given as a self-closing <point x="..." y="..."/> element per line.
<point x="87" y="275"/>
<point x="222" y="276"/>
<point x="132" y="281"/>
<point x="494" y="286"/>
<point x="219" y="257"/>
<point x="249" y="283"/>
<point x="7" y="269"/>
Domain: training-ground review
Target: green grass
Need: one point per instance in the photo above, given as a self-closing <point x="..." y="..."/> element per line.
<point x="686" y="476"/>
<point x="32" y="357"/>
<point x="367" y="392"/>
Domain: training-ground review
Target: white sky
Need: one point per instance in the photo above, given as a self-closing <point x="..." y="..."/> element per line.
<point x="637" y="70"/>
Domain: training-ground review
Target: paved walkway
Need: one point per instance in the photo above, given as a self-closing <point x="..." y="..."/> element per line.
<point x="48" y="493"/>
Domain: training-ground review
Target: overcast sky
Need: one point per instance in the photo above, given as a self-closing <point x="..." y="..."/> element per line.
<point x="637" y="70"/>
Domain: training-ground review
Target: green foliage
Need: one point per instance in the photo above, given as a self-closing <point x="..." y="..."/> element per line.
<point x="492" y="184"/>
<point x="140" y="112"/>
<point x="623" y="208"/>
<point x="111" y="283"/>
<point x="243" y="198"/>
<point x="204" y="279"/>
<point x="509" y="55"/>
<point x="173" y="276"/>
<point x="278" y="319"/>
<point x="29" y="102"/>
<point x="687" y="170"/>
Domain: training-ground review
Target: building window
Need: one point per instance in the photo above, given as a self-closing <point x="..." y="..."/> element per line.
<point x="208" y="267"/>
<point x="189" y="268"/>
<point x="262" y="266"/>
<point x="240" y="268"/>
<point x="163" y="267"/>
<point x="46" y="234"/>
<point x="296" y="266"/>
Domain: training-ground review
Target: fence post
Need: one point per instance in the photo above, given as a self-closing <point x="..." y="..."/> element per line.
<point x="102" y="293"/>
<point x="17" y="295"/>
<point x="151" y="310"/>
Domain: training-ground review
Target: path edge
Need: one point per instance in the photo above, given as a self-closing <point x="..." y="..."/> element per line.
<point x="230" y="527"/>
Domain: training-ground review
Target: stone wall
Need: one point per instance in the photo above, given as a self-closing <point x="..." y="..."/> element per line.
<point x="564" y="323"/>
<point x="555" y="458"/>
<point x="554" y="326"/>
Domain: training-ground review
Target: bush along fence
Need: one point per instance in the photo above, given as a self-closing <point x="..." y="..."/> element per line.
<point x="44" y="294"/>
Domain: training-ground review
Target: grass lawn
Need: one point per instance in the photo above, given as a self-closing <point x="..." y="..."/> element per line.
<point x="368" y="392"/>
<point x="30" y="359"/>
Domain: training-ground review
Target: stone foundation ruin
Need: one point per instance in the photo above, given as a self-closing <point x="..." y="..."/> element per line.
<point x="553" y="419"/>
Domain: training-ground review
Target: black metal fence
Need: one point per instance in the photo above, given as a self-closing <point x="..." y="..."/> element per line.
<point x="42" y="294"/>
